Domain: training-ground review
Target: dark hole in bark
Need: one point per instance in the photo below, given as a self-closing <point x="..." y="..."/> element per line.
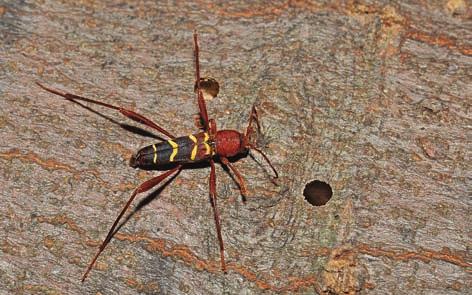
<point x="317" y="192"/>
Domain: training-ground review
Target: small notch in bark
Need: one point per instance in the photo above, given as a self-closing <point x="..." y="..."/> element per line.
<point x="317" y="192"/>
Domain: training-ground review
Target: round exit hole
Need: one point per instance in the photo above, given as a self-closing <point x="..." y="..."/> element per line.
<point x="317" y="193"/>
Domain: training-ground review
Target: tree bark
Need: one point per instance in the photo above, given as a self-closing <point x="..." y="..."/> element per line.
<point x="373" y="99"/>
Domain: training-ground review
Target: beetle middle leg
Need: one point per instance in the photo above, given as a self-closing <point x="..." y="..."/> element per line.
<point x="216" y="213"/>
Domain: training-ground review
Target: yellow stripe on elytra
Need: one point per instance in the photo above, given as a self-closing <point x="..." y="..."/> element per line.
<point x="205" y="142"/>
<point x="194" y="150"/>
<point x="155" y="153"/>
<point x="175" y="150"/>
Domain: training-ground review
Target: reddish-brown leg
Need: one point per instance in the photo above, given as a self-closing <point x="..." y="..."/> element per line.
<point x="198" y="122"/>
<point x="142" y="188"/>
<point x="252" y="117"/>
<point x="128" y="113"/>
<point x="216" y="213"/>
<point x="239" y="177"/>
<point x="212" y="131"/>
<point x="201" y="101"/>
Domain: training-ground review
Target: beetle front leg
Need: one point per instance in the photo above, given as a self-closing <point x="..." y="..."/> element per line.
<point x="239" y="177"/>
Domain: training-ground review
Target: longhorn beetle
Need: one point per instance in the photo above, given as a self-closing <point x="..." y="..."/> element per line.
<point x="209" y="145"/>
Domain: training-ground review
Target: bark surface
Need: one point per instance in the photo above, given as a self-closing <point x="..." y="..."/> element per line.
<point x="373" y="98"/>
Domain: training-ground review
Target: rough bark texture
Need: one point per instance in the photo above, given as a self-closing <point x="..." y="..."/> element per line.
<point x="373" y="98"/>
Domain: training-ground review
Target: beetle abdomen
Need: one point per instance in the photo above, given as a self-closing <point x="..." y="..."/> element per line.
<point x="185" y="149"/>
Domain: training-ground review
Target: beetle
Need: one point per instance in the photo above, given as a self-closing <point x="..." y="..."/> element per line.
<point x="208" y="145"/>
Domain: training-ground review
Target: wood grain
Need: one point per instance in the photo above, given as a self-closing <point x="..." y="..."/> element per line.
<point x="372" y="98"/>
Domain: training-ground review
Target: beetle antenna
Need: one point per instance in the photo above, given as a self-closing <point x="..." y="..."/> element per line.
<point x="265" y="157"/>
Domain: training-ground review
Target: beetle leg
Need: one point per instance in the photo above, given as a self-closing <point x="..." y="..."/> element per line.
<point x="239" y="177"/>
